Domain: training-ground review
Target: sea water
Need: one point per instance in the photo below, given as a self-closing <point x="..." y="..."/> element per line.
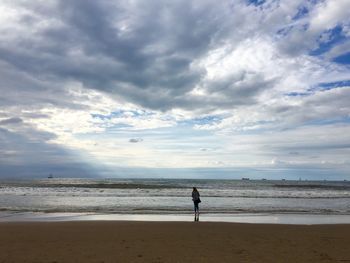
<point x="166" y="196"/>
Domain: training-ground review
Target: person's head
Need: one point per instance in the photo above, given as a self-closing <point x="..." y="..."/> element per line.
<point x="194" y="189"/>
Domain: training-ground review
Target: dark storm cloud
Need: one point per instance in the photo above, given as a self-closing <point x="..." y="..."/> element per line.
<point x="133" y="50"/>
<point x="11" y="121"/>
<point x="239" y="89"/>
<point x="20" y="89"/>
<point x="32" y="155"/>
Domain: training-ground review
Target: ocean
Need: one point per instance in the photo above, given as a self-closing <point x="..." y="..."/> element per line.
<point x="167" y="196"/>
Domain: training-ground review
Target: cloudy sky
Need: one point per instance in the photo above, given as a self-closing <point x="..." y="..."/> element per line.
<point x="254" y="88"/>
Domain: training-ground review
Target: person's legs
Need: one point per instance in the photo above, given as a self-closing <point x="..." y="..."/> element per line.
<point x="196" y="211"/>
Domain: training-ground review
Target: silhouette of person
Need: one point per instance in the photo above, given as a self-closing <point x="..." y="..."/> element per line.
<point x="196" y="200"/>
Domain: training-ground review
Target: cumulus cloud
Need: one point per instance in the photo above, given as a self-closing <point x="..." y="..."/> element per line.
<point x="80" y="69"/>
<point x="129" y="51"/>
<point x="328" y="14"/>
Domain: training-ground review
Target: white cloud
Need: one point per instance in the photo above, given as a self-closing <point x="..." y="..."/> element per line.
<point x="182" y="76"/>
<point x="329" y="14"/>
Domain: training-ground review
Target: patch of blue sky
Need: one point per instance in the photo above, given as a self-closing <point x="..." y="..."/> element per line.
<point x="322" y="122"/>
<point x="256" y="2"/>
<point x="333" y="85"/>
<point x="343" y="59"/>
<point x="297" y="94"/>
<point x="202" y="120"/>
<point x="121" y="113"/>
<point x="302" y="12"/>
<point x="108" y="116"/>
<point x="335" y="36"/>
<point x="328" y="86"/>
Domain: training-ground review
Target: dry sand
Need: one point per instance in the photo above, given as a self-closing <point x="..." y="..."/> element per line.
<point x="114" y="241"/>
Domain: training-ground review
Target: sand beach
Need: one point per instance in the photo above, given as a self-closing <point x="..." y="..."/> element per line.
<point x="132" y="241"/>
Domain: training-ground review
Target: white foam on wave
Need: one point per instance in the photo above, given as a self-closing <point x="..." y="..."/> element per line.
<point x="294" y="219"/>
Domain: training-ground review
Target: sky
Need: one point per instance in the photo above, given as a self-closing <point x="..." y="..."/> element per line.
<point x="179" y="89"/>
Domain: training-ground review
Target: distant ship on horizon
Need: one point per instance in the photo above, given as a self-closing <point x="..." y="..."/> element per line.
<point x="50" y="176"/>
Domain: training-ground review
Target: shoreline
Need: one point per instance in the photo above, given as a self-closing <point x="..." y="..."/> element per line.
<point x="284" y="219"/>
<point x="161" y="242"/>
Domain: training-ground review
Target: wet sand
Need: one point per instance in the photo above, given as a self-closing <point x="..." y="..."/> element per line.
<point x="126" y="241"/>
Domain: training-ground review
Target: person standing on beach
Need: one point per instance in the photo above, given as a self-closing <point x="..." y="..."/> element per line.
<point x="196" y="200"/>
